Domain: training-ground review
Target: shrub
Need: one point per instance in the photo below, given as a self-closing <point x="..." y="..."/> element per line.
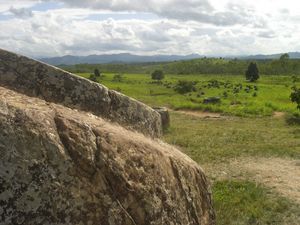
<point x="158" y="75"/>
<point x="212" y="100"/>
<point x="184" y="86"/>
<point x="93" y="77"/>
<point x="293" y="119"/>
<point x="118" y="89"/>
<point x="295" y="96"/>
<point x="118" y="78"/>
<point x="213" y="84"/>
<point x="294" y="79"/>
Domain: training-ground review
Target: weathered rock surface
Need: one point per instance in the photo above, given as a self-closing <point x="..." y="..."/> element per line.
<point x="165" y="116"/>
<point x="37" y="79"/>
<point x="69" y="154"/>
<point x="62" y="166"/>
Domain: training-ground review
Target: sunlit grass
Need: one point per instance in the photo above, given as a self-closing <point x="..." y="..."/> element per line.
<point x="246" y="203"/>
<point x="273" y="93"/>
<point x="209" y="140"/>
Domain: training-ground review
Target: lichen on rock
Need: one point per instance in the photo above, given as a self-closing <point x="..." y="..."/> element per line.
<point x="38" y="79"/>
<point x="61" y="165"/>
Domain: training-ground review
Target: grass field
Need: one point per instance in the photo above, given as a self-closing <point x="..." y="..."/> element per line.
<point x="272" y="93"/>
<point x="238" y="198"/>
<point x="217" y="140"/>
<point x="247" y="132"/>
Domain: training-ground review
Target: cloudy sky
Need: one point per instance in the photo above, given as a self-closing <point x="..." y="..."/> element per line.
<point x="208" y="27"/>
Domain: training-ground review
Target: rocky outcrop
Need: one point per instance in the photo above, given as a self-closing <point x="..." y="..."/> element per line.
<point x="62" y="166"/>
<point x="37" y="79"/>
<point x="74" y="152"/>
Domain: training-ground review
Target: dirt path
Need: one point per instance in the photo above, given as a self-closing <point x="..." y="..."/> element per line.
<point x="200" y="114"/>
<point x="211" y="115"/>
<point x="278" y="114"/>
<point x="282" y="175"/>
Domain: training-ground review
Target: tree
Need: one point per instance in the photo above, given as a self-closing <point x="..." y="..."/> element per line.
<point x="97" y="73"/>
<point x="295" y="96"/>
<point x="284" y="57"/>
<point x="252" y="73"/>
<point x="294" y="79"/>
<point x="184" y="86"/>
<point x="158" y="75"/>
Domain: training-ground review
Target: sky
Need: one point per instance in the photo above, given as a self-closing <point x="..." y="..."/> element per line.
<point x="48" y="28"/>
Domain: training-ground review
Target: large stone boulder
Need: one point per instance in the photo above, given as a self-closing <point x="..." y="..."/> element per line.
<point x="38" y="79"/>
<point x="62" y="165"/>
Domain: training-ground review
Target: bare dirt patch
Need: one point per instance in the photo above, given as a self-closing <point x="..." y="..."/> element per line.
<point x="278" y="114"/>
<point x="201" y="114"/>
<point x="282" y="175"/>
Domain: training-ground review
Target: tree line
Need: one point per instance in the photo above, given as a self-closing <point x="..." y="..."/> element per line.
<point x="282" y="66"/>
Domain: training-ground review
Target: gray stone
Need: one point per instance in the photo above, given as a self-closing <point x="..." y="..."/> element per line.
<point x="37" y="79"/>
<point x="165" y="117"/>
<point x="63" y="166"/>
<point x="74" y="152"/>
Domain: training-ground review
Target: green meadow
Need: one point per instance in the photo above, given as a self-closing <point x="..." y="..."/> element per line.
<point x="268" y="94"/>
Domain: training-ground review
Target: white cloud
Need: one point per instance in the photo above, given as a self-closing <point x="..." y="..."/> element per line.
<point x="6" y="5"/>
<point x="210" y="27"/>
<point x="187" y="10"/>
<point x="21" y="12"/>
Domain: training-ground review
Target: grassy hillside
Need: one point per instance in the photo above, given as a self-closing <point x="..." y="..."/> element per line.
<point x="238" y="97"/>
<point x="197" y="66"/>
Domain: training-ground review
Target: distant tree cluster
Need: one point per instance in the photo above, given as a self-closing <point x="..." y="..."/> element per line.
<point x="281" y="66"/>
<point x="184" y="86"/>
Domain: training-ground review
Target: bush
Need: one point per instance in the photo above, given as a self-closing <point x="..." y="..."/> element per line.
<point x="293" y="119"/>
<point x="295" y="96"/>
<point x="118" y="89"/>
<point x="118" y="78"/>
<point x="93" y="77"/>
<point x="294" y="79"/>
<point x="158" y="75"/>
<point x="184" y="86"/>
<point x="212" y="100"/>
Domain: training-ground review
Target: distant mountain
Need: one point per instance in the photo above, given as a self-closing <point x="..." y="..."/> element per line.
<point x="293" y="55"/>
<point x="115" y="58"/>
<point x="130" y="58"/>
